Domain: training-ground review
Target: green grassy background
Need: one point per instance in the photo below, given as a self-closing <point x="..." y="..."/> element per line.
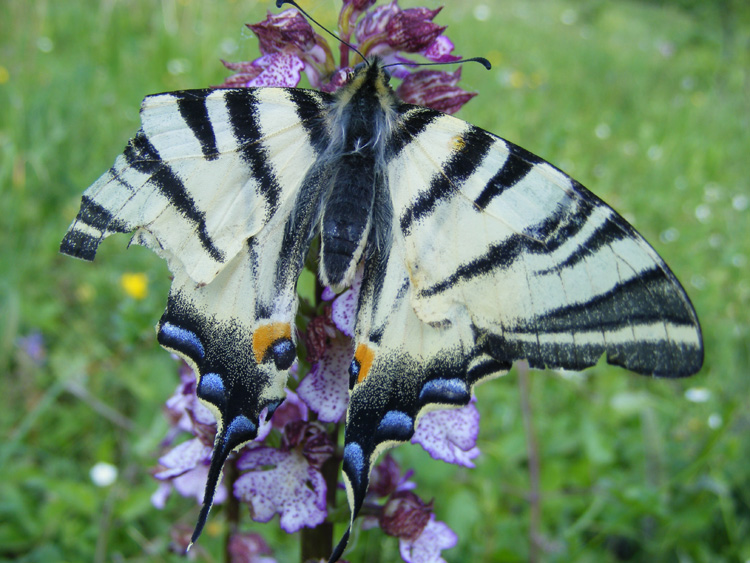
<point x="645" y="103"/>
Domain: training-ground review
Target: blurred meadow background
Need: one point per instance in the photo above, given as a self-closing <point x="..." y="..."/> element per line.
<point x="647" y="103"/>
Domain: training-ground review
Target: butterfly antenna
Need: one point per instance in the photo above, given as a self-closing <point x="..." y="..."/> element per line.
<point x="481" y="60"/>
<point x="280" y="3"/>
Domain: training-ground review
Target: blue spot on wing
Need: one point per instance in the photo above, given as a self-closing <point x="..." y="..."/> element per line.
<point x="239" y="431"/>
<point x="182" y="340"/>
<point x="395" y="425"/>
<point x="354" y="463"/>
<point x="445" y="391"/>
<point x="211" y="388"/>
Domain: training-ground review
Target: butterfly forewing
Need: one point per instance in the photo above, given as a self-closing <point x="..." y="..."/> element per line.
<point x="210" y="183"/>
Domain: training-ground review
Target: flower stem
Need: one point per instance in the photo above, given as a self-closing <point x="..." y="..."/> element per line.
<point x="317" y="543"/>
<point x="232" y="507"/>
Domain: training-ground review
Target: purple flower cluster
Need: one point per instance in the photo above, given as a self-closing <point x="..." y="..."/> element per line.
<point x="281" y="471"/>
<point x="289" y="45"/>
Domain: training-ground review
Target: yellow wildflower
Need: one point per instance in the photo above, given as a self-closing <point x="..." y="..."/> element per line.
<point x="135" y="285"/>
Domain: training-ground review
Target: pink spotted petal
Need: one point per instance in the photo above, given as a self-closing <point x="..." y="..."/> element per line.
<point x="450" y="435"/>
<point x="193" y="484"/>
<point x="326" y="388"/>
<point x="436" y="537"/>
<point x="344" y="308"/>
<point x="183" y="458"/>
<point x="291" y="488"/>
<point x="278" y="69"/>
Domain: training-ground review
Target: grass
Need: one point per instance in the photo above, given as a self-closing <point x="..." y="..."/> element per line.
<point x="644" y="103"/>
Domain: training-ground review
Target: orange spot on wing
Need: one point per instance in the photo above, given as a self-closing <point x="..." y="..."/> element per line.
<point x="267" y="334"/>
<point x="364" y="356"/>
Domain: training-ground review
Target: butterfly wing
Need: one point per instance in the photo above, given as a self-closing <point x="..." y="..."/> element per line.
<point x="211" y="183"/>
<point x="496" y="256"/>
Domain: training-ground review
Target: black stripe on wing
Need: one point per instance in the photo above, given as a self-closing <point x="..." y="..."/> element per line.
<point x="143" y="156"/>
<point x="193" y="109"/>
<point x="242" y="106"/>
<point x="414" y="120"/>
<point x="515" y="168"/>
<point x="472" y="147"/>
<point x="649" y="297"/>
<point x="310" y="108"/>
<point x="99" y="220"/>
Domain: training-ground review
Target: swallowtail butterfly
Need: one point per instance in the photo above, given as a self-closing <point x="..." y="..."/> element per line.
<point x="475" y="254"/>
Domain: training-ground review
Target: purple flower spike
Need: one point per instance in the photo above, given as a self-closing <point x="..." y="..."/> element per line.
<point x="249" y="548"/>
<point x="435" y="89"/>
<point x="326" y="388"/>
<point x="450" y="435"/>
<point x="292" y="488"/>
<point x="435" y="537"/>
<point x="405" y="515"/>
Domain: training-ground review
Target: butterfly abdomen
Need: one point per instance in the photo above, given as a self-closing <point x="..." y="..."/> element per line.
<point x="359" y="119"/>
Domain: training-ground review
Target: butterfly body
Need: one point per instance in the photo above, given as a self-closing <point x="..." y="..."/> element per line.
<point x="474" y="252"/>
<point x="358" y="119"/>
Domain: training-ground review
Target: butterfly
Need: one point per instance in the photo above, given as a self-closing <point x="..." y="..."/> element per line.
<point x="474" y="253"/>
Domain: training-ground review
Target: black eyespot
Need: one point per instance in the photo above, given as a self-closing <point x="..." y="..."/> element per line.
<point x="283" y="353"/>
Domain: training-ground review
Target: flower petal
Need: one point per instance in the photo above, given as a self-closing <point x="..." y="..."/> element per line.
<point x="450" y="435"/>
<point x="326" y="388"/>
<point x="412" y="31"/>
<point x="405" y="515"/>
<point x="435" y="89"/>
<point x="292" y="488"/>
<point x="183" y="458"/>
<point x="436" y="537"/>
<point x="248" y="548"/>
<point x="293" y="408"/>
<point x="280" y="32"/>
<point x="439" y="50"/>
<point x="344" y="307"/>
